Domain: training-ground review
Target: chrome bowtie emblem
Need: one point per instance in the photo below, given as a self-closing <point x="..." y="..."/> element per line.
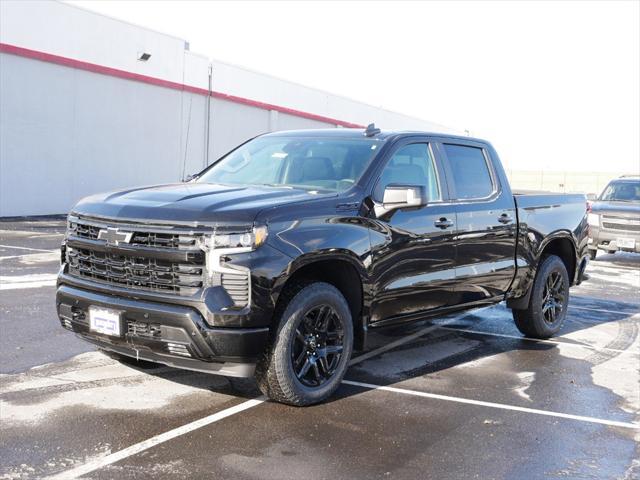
<point x="113" y="236"/>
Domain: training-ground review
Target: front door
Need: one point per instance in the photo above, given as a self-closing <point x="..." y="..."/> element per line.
<point x="413" y="250"/>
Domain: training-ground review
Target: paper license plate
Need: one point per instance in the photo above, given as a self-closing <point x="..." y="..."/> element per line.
<point x="104" y="320"/>
<point x="626" y="243"/>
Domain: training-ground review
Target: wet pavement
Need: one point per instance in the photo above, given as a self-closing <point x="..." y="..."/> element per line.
<point x="463" y="396"/>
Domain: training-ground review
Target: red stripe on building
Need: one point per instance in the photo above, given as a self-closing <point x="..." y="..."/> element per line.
<point x="114" y="72"/>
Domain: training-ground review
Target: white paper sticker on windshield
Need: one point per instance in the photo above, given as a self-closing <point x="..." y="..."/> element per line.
<point x="280" y="155"/>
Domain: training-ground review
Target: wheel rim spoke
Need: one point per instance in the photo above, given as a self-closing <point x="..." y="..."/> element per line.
<point x="333" y="349"/>
<point x="305" y="368"/>
<point x="316" y="372"/>
<point x="317" y="346"/>
<point x="553" y="298"/>
<point x="322" y="321"/>
<point x="322" y="360"/>
<point x="301" y="357"/>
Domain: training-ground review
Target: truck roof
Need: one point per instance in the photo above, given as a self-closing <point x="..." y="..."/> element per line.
<point x="359" y="133"/>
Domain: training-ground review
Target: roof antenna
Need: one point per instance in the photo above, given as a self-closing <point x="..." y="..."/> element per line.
<point x="371" y="130"/>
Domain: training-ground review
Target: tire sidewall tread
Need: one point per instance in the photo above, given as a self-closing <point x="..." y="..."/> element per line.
<point x="531" y="321"/>
<point x="274" y="372"/>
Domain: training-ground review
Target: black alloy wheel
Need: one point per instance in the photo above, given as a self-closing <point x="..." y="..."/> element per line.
<point x="553" y="297"/>
<point x="317" y="346"/>
<point x="311" y="345"/>
<point x="548" y="300"/>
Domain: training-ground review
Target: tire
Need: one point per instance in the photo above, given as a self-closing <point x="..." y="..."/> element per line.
<point x="305" y="364"/>
<point x="546" y="314"/>
<point x="592" y="254"/>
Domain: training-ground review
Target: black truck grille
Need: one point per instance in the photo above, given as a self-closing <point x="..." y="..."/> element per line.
<point x="151" y="258"/>
<point x="148" y="239"/>
<point x="135" y="272"/>
<point x="167" y="262"/>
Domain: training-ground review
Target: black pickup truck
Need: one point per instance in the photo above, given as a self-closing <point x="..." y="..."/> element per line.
<point x="277" y="259"/>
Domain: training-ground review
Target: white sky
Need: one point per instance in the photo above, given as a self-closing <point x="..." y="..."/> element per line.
<point x="553" y="85"/>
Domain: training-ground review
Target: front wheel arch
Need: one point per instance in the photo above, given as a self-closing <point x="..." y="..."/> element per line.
<point x="343" y="272"/>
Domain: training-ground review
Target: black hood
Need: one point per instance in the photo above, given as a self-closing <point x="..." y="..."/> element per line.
<point x="190" y="203"/>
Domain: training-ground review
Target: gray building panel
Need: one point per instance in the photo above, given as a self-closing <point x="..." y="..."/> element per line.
<point x="233" y="123"/>
<point x="67" y="133"/>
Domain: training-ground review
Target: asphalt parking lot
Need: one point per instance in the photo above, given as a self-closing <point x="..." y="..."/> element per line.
<point x="465" y="396"/>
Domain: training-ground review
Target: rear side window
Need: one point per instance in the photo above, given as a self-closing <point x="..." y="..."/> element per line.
<point x="470" y="170"/>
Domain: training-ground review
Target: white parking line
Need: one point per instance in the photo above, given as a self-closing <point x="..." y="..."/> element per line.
<point x="601" y="310"/>
<point x="54" y="253"/>
<point x="401" y="341"/>
<point x="27" y="281"/>
<point x="502" y="406"/>
<point x="392" y="345"/>
<point x="29" y="248"/>
<point x="538" y="340"/>
<point x="153" y="441"/>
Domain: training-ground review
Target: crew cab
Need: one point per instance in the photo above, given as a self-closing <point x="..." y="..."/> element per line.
<point x="279" y="258"/>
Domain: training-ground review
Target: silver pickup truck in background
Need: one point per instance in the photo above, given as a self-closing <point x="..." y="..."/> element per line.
<point x="614" y="217"/>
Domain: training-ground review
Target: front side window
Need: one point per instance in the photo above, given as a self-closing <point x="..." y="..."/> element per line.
<point x="624" y="191"/>
<point x="410" y="165"/>
<point x="470" y="171"/>
<point x="323" y="164"/>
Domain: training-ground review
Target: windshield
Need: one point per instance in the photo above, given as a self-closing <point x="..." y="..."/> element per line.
<point x="332" y="164"/>
<point x="626" y="191"/>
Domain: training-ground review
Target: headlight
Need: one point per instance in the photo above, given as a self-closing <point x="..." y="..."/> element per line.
<point x="72" y="225"/>
<point x="252" y="239"/>
<point x="593" y="219"/>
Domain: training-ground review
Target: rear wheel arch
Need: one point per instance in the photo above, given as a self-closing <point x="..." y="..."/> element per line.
<point x="561" y="246"/>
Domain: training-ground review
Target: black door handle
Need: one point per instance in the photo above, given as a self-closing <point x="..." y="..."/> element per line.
<point x="505" y="218"/>
<point x="443" y="223"/>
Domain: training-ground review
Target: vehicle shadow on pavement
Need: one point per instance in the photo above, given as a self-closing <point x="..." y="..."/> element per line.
<point x="446" y="347"/>
<point x="238" y="387"/>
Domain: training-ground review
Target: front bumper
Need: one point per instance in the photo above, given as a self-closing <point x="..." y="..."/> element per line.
<point x="605" y="239"/>
<point x="170" y="334"/>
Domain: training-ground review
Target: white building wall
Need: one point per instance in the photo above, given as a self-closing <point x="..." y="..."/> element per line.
<point x="73" y="32"/>
<point x="80" y="114"/>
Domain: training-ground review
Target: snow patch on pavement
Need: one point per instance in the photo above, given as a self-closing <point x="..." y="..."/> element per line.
<point x="90" y="387"/>
<point x="527" y="379"/>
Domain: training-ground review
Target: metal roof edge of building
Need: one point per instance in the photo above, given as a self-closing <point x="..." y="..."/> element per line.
<point x="104" y="70"/>
<point x="116" y="19"/>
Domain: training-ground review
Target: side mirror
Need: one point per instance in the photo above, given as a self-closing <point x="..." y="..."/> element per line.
<point x="190" y="177"/>
<point x="396" y="197"/>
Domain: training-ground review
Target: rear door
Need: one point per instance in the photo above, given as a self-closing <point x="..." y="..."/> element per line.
<point x="486" y="225"/>
<point x="413" y="252"/>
